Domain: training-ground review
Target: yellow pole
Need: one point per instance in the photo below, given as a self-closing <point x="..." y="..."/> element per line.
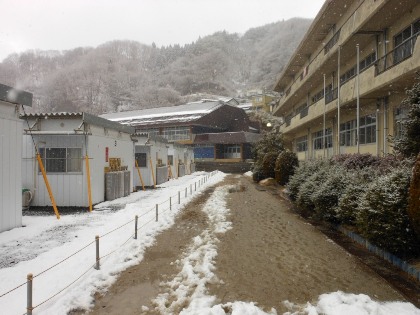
<point x="41" y="166"/>
<point x="141" y="178"/>
<point x="170" y="172"/>
<point x="153" y="173"/>
<point x="88" y="182"/>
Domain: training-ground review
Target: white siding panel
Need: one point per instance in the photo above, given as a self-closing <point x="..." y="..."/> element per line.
<point x="10" y="169"/>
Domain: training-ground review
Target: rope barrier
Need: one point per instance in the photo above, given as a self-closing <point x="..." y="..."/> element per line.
<point x="116" y="228"/>
<point x="14" y="289"/>
<point x="63" y="260"/>
<point x="83" y="248"/>
<point x="66" y="287"/>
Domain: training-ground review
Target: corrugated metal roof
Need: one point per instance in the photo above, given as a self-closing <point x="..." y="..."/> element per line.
<point x="88" y="118"/>
<point x="172" y="114"/>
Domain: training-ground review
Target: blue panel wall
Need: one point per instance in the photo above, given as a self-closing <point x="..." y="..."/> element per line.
<point x="204" y="153"/>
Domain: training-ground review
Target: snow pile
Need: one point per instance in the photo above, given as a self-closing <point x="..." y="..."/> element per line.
<point x="340" y="303"/>
<point x="189" y="286"/>
<point x="46" y="241"/>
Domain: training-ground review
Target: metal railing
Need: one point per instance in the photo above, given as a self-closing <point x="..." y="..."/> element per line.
<point x="396" y="56"/>
<point x="331" y="95"/>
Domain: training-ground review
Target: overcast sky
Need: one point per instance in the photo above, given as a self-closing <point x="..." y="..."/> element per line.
<point x="67" y="24"/>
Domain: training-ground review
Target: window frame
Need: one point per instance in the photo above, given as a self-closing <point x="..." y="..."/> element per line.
<point x="67" y="160"/>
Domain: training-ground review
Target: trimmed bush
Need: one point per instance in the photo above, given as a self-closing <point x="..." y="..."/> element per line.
<point x="356" y="161"/>
<point x="268" y="164"/>
<point x="303" y="172"/>
<point x="414" y="198"/>
<point x="327" y="195"/>
<point x="383" y="217"/>
<point x="309" y="187"/>
<point x="285" y="166"/>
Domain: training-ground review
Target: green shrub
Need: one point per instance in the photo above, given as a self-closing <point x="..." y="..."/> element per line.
<point x="414" y="198"/>
<point x="301" y="174"/>
<point x="268" y="164"/>
<point x="326" y="196"/>
<point x="311" y="184"/>
<point x="257" y="173"/>
<point x="383" y="217"/>
<point x="285" y="166"/>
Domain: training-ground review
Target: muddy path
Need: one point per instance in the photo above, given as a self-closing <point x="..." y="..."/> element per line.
<point x="134" y="290"/>
<point x="270" y="255"/>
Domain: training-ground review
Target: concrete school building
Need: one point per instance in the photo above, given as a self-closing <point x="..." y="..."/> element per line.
<point x="63" y="140"/>
<point x="342" y="88"/>
<point x="10" y="156"/>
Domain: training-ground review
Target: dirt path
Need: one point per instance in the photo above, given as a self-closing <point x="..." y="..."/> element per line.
<point x="272" y="255"/>
<point x="138" y="285"/>
<point x="269" y="256"/>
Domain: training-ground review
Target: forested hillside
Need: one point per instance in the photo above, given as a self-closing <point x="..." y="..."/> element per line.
<point x="123" y="75"/>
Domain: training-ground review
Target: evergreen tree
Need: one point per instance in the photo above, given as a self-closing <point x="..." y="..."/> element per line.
<point x="409" y="144"/>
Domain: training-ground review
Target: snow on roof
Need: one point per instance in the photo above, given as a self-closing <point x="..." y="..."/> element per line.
<point x="181" y="113"/>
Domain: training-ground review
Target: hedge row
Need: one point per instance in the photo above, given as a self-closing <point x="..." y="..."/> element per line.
<point x="369" y="194"/>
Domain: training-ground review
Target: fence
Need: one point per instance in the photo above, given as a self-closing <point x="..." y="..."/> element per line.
<point x="398" y="262"/>
<point x="158" y="208"/>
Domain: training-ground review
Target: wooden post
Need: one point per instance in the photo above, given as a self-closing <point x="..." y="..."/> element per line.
<point x="88" y="182"/>
<point x="29" y="307"/>
<point x="135" y="226"/>
<point x="41" y="166"/>
<point x="153" y="173"/>
<point x="141" y="178"/>
<point x="97" y="267"/>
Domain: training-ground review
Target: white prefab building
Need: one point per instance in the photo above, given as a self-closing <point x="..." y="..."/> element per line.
<point x="10" y="156"/>
<point x="63" y="140"/>
<point x="151" y="154"/>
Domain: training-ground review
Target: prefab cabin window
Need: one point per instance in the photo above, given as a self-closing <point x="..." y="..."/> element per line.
<point x="62" y="160"/>
<point x="141" y="159"/>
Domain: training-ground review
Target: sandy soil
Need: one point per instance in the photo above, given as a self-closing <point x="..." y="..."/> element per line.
<point x="269" y="256"/>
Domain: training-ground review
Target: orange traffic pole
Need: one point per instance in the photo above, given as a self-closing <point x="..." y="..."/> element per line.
<point x="88" y="182"/>
<point x="153" y="173"/>
<point x="41" y="166"/>
<point x="141" y="178"/>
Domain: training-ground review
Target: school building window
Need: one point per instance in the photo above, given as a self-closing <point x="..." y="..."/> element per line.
<point x="367" y="131"/>
<point x="61" y="160"/>
<point x="318" y="138"/>
<point x="302" y="144"/>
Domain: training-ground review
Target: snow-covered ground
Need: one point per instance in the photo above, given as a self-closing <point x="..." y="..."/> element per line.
<point x="61" y="255"/>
